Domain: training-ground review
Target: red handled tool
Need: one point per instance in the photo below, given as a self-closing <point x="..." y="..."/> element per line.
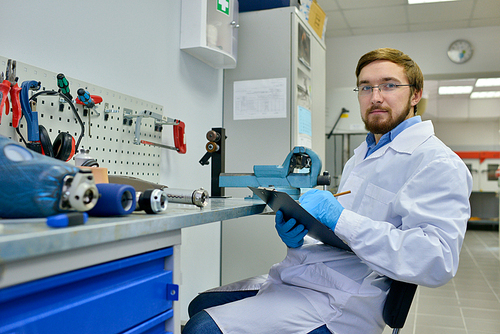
<point x="180" y="137"/>
<point x="4" y="92"/>
<point x="160" y="120"/>
<point x="10" y="85"/>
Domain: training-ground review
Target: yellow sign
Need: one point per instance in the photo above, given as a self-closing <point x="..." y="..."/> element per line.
<point x="317" y="18"/>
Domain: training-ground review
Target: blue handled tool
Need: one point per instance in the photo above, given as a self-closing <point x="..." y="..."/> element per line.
<point x="31" y="116"/>
<point x="60" y="220"/>
<point x="67" y="219"/>
<point x="85" y="98"/>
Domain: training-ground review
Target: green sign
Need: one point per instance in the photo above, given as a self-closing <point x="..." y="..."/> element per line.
<point x="223" y="6"/>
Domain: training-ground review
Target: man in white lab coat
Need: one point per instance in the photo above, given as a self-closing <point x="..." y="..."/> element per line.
<point x="405" y="219"/>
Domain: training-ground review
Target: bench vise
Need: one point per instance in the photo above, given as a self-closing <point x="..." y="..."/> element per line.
<point x="301" y="169"/>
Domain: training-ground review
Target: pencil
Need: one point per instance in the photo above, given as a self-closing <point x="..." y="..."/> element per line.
<point x="342" y="193"/>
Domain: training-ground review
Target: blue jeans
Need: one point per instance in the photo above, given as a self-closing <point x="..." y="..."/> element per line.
<point x="200" y="321"/>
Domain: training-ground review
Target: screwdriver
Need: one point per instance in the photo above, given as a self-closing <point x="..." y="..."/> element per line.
<point x="63" y="85"/>
<point x="59" y="220"/>
<point x="85" y="98"/>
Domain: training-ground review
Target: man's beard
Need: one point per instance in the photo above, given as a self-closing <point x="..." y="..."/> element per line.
<point x="377" y="126"/>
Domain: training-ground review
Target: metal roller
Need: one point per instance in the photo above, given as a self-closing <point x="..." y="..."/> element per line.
<point x="151" y="201"/>
<point x="213" y="135"/>
<point x="212" y="147"/>
<point x="198" y="197"/>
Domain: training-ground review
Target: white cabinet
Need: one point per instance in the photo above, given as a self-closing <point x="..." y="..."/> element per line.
<point x="209" y="31"/>
<point x="473" y="166"/>
<point x="488" y="181"/>
<point x="279" y="47"/>
<point x="275" y="46"/>
<point x="483" y="166"/>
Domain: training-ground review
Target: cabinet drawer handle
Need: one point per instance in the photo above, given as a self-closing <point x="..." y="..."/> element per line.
<point x="172" y="292"/>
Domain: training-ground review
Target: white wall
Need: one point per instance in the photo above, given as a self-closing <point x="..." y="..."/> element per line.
<point x="469" y="135"/>
<point x="428" y="49"/>
<point x="133" y="47"/>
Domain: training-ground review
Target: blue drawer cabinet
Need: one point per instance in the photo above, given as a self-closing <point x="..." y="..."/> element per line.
<point x="130" y="295"/>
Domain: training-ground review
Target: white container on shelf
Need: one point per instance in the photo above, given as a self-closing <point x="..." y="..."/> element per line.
<point x="209" y="31"/>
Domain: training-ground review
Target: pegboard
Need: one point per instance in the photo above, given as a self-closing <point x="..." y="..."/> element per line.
<point x="109" y="136"/>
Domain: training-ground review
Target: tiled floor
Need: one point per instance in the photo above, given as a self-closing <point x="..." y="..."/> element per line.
<point x="470" y="302"/>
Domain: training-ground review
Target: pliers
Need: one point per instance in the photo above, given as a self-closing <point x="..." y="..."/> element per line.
<point x="9" y="84"/>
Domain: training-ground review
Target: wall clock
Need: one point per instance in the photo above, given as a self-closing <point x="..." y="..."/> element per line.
<point x="460" y="51"/>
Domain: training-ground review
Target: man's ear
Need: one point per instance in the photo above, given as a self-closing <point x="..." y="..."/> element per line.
<point x="417" y="96"/>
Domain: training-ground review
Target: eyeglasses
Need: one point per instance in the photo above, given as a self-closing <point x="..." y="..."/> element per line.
<point x="387" y="87"/>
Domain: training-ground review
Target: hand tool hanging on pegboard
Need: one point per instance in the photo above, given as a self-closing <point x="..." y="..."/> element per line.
<point x="89" y="102"/>
<point x="63" y="85"/>
<point x="179" y="129"/>
<point x="31" y="116"/>
<point x="64" y="145"/>
<point x="10" y="85"/>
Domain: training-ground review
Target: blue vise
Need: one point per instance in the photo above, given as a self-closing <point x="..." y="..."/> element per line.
<point x="301" y="169"/>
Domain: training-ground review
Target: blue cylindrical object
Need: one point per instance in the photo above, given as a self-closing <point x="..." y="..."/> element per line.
<point x="114" y="200"/>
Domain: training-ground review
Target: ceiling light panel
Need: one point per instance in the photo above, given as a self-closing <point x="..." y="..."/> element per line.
<point x="416" y="2"/>
<point x="454" y="90"/>
<point x="488" y="82"/>
<point x="485" y="95"/>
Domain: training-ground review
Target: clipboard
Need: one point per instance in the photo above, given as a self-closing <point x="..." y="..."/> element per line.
<point x="278" y="200"/>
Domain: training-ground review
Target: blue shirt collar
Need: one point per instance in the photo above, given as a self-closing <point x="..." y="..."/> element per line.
<point x="389" y="136"/>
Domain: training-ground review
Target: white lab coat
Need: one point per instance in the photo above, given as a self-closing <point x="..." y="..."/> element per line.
<point x="405" y="219"/>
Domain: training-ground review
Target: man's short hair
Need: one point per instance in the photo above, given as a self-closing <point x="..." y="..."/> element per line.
<point x="411" y="69"/>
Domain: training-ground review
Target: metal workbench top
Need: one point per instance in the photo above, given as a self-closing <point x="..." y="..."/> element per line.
<point x="20" y="241"/>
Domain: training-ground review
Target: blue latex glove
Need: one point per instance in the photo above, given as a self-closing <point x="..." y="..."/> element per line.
<point x="323" y="206"/>
<point x="292" y="236"/>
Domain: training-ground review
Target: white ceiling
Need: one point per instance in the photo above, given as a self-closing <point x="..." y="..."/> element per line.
<point x="432" y="87"/>
<point x="362" y="17"/>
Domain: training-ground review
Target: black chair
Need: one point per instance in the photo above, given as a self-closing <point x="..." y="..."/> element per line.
<point x="397" y="305"/>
